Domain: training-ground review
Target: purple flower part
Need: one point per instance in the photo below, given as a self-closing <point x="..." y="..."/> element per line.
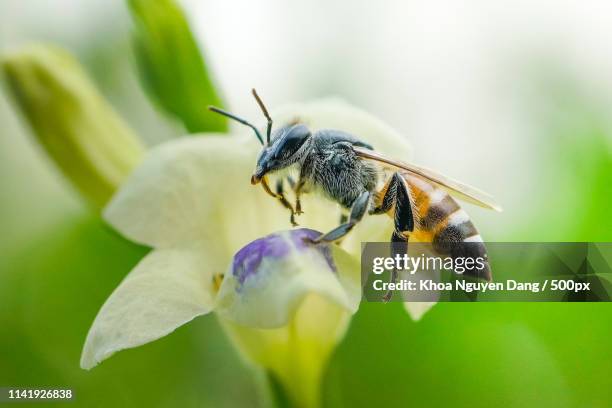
<point x="248" y="259"/>
<point x="299" y="238"/>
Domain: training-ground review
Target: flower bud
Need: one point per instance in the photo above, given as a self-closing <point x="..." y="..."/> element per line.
<point x="81" y="132"/>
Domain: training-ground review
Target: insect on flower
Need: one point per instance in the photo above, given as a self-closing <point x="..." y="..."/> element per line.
<point x="280" y="298"/>
<point x="348" y="171"/>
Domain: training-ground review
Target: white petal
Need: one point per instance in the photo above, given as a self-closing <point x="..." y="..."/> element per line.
<point x="416" y="310"/>
<point x="334" y="113"/>
<point x="168" y="288"/>
<point x="273" y="290"/>
<point x="427" y="299"/>
<point x="196" y="189"/>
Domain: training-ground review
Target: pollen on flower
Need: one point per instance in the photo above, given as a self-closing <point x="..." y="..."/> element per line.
<point x="276" y="247"/>
<point x="217" y="279"/>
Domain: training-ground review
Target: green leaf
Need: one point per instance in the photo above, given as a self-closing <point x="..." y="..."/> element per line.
<point x="171" y="65"/>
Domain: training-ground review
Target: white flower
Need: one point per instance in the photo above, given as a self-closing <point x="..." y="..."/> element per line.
<point x="192" y="202"/>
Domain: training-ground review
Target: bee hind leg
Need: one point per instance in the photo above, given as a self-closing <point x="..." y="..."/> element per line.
<point x="396" y="192"/>
<point x="358" y="210"/>
<point x="399" y="246"/>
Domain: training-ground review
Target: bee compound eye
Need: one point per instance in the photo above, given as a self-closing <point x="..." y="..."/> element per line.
<point x="291" y="142"/>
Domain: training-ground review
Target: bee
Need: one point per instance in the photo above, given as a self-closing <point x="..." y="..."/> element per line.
<point x="347" y="171"/>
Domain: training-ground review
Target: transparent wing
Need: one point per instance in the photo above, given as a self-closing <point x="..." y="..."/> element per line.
<point x="463" y="191"/>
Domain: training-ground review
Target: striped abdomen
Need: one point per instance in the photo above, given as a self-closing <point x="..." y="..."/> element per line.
<point x="441" y="221"/>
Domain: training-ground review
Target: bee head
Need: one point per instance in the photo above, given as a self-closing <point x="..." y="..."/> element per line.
<point x="281" y="151"/>
<point x="286" y="147"/>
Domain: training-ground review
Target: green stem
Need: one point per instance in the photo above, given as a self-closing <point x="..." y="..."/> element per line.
<point x="273" y="394"/>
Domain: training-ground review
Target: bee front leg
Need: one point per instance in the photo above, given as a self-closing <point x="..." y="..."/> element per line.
<point x="280" y="197"/>
<point x="358" y="210"/>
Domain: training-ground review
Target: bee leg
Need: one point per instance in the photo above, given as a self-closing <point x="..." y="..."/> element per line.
<point x="404" y="219"/>
<point x="396" y="191"/>
<point x="399" y="245"/>
<point x="280" y="197"/>
<point x="297" y="188"/>
<point x="344" y="217"/>
<point x="388" y="197"/>
<point x="358" y="210"/>
<point x="283" y="200"/>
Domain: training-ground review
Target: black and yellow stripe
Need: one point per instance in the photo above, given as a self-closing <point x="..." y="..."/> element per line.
<point x="440" y="220"/>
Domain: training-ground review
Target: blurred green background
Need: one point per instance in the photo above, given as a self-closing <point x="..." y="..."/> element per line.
<point x="513" y="99"/>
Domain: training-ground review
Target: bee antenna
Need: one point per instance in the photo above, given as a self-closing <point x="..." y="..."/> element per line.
<point x="238" y="119"/>
<point x="265" y="112"/>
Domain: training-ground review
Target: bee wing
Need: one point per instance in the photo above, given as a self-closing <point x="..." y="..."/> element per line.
<point x="463" y="191"/>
